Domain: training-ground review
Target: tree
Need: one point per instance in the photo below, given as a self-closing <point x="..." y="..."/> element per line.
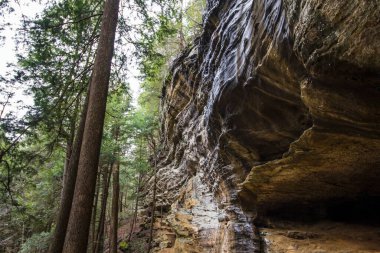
<point x="134" y="217"/>
<point x="115" y="207"/>
<point x="92" y="238"/>
<point x="80" y="217"/>
<point x="98" y="243"/>
<point x="40" y="149"/>
<point x="68" y="187"/>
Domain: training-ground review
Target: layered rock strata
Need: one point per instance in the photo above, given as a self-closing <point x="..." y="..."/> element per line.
<point x="272" y="115"/>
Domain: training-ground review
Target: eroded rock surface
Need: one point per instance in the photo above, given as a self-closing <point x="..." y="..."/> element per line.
<point x="324" y="237"/>
<point x="273" y="114"/>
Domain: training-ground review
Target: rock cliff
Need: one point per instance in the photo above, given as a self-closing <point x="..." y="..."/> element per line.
<point x="271" y="130"/>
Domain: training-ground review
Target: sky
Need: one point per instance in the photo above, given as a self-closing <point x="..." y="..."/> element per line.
<point x="7" y="51"/>
<point x="8" y="54"/>
<point x="8" y="47"/>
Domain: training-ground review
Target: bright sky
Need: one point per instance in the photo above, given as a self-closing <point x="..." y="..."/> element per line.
<point x="8" y="49"/>
<point x="8" y="53"/>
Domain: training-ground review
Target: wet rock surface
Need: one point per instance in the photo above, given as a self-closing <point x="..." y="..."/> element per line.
<point x="273" y="113"/>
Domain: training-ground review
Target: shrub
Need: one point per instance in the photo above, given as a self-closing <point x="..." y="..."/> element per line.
<point x="38" y="243"/>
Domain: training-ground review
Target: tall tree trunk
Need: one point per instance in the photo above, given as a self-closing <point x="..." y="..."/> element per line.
<point x="70" y="143"/>
<point x="121" y="202"/>
<point x="115" y="208"/>
<point x="69" y="185"/>
<point x="134" y="219"/>
<point x="69" y="149"/>
<point x="153" y="206"/>
<point x="136" y="209"/>
<point x="108" y="228"/>
<point x="70" y="140"/>
<point x="94" y="213"/>
<point x="125" y="205"/>
<point x="155" y="155"/>
<point x="99" y="242"/>
<point x="80" y="217"/>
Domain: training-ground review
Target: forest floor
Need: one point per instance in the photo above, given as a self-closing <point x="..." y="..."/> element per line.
<point x="138" y="239"/>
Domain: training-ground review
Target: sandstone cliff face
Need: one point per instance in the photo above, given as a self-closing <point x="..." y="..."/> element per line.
<point x="272" y="116"/>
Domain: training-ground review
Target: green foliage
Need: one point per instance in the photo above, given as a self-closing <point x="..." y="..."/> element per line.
<point x="56" y="66"/>
<point x="33" y="191"/>
<point x="115" y="135"/>
<point x="37" y="243"/>
<point x="170" y="29"/>
<point x="123" y="245"/>
<point x="193" y="19"/>
<point x="41" y="191"/>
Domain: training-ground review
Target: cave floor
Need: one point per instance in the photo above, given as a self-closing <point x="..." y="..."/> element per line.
<point x="326" y="237"/>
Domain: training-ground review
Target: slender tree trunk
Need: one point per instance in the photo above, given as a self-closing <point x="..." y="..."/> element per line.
<point x="121" y="202"/>
<point x="69" y="185"/>
<point x="134" y="219"/>
<point x="69" y="147"/>
<point x="108" y="228"/>
<point x="182" y="41"/>
<point x="80" y="217"/>
<point x="94" y="213"/>
<point x="23" y="233"/>
<point x="126" y="206"/>
<point x="115" y="208"/>
<point x="153" y="205"/>
<point x="99" y="242"/>
<point x="69" y="144"/>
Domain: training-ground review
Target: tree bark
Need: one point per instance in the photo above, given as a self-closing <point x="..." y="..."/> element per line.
<point x="136" y="209"/>
<point x="80" y="217"/>
<point x="70" y="141"/>
<point x="98" y="245"/>
<point x="153" y="206"/>
<point x="115" y="208"/>
<point x="70" y="178"/>
<point x="121" y="202"/>
<point x="69" y="149"/>
<point x="94" y="213"/>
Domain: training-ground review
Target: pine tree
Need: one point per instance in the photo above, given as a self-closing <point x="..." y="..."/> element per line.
<point x="80" y="217"/>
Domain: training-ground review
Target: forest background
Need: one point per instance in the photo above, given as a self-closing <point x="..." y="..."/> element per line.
<point x="55" y="52"/>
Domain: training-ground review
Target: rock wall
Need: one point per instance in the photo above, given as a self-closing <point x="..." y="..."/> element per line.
<point x="272" y="119"/>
